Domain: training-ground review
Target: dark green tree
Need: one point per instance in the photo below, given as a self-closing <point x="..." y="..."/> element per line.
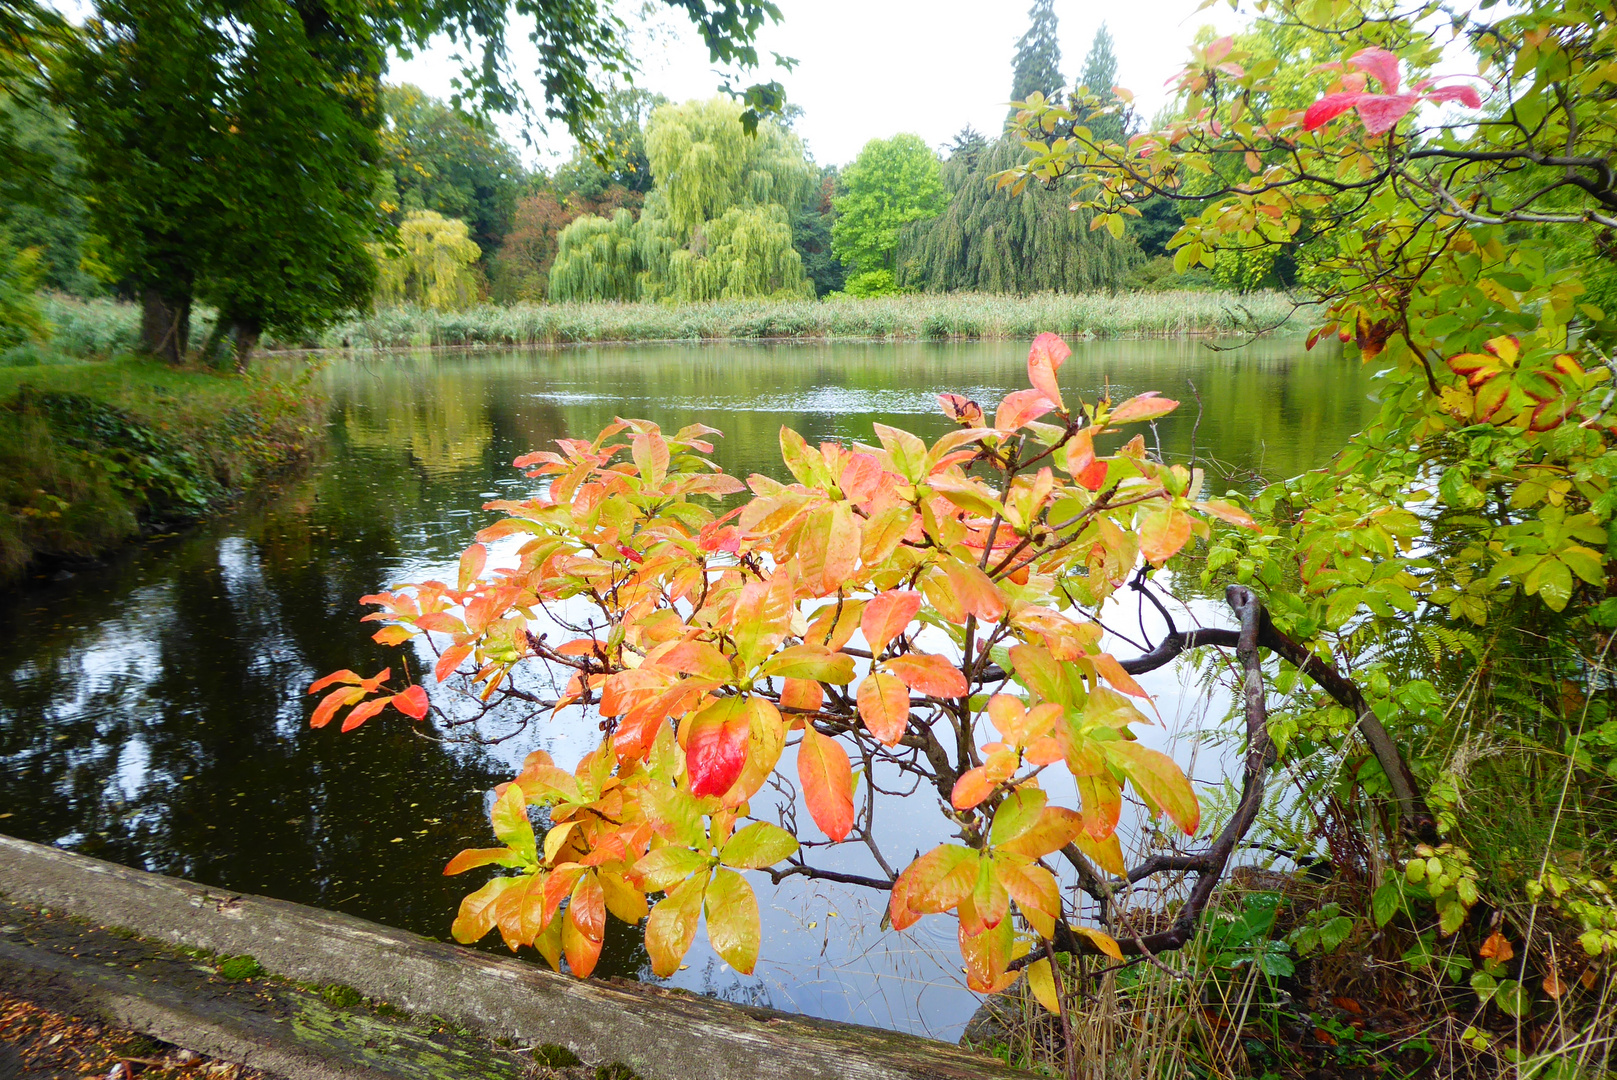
<point x="448" y="162"/>
<point x="231" y="155"/>
<point x="1037" y="67"/>
<point x="811" y="235"/>
<point x="988" y="240"/>
<point x="1098" y="78"/>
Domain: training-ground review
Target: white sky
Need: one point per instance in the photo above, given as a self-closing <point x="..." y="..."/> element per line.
<point x="871" y="68"/>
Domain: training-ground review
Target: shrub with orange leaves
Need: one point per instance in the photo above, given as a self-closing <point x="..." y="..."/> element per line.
<point x="924" y="608"/>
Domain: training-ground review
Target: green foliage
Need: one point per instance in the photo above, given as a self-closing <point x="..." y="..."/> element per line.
<point x="597" y="259"/>
<point x="450" y="163"/>
<point x="892" y="183"/>
<point x="717" y="225"/>
<point x="618" y="141"/>
<point x="21" y="320"/>
<point x="93" y="453"/>
<point x="237" y="172"/>
<point x="811" y="235"/>
<point x="50" y="215"/>
<point x="1036" y="68"/>
<point x="989" y="240"/>
<point x="430" y="265"/>
<point x="240" y="967"/>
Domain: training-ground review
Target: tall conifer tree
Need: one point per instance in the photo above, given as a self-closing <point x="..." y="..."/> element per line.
<point x="1037" y="67"/>
<point x="1099" y="76"/>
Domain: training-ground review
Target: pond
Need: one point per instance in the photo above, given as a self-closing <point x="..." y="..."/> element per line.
<point x="153" y="712"/>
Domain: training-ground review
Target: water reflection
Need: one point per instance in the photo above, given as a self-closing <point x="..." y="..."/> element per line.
<point x="153" y="712"/>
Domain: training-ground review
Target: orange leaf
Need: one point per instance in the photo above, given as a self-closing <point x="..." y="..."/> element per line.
<point x="972" y="788"/>
<point x="343" y="676"/>
<point x="412" y="702"/>
<point x="1497" y="947"/>
<point x="1162" y="533"/>
<point x="1147" y="406"/>
<point x="332" y="702"/>
<point x="932" y="676"/>
<point x="886" y="617"/>
<point x="1113" y="672"/>
<point x="884" y="706"/>
<point x="1043" y="361"/>
<point x="472" y="858"/>
<point x="1019" y="408"/>
<point x="940" y="879"/>
<point x="472" y="561"/>
<point x="391" y="635"/>
<point x="827" y="778"/>
<point x="801" y="694"/>
<point x="1155" y="776"/>
<point x="450" y="660"/>
<point x="1228" y="511"/>
<point x="977" y="594"/>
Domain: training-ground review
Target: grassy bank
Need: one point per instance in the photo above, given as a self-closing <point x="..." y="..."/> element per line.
<point x="93" y="454"/>
<point x="103" y="327"/>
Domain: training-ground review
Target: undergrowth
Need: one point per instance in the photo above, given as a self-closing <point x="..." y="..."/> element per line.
<point x="94" y="454"/>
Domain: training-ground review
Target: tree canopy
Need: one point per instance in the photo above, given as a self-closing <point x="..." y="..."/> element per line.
<point x="450" y="163"/>
<point x="987" y="240"/>
<point x="892" y="183"/>
<point x="716" y="225"/>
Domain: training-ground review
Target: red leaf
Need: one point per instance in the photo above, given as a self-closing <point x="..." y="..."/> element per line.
<point x="1381" y="64"/>
<point x="972" y="788"/>
<point x="1328" y="108"/>
<point x="1465" y="95"/>
<point x="932" y="676"/>
<point x="1381" y="112"/>
<point x="717" y="749"/>
<point x="827" y="778"/>
<point x="412" y="702"/>
<point x="886" y="616"/>
<point x="1093" y="476"/>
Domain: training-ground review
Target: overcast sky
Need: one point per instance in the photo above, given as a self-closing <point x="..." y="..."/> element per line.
<point x="871" y="68"/>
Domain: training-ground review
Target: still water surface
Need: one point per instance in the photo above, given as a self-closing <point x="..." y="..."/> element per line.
<point x="153" y="712"/>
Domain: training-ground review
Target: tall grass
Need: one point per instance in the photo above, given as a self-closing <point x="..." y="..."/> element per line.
<point x="924" y="316"/>
<point x="85" y="328"/>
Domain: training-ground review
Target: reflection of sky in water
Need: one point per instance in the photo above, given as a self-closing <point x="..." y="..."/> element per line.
<point x="158" y="707"/>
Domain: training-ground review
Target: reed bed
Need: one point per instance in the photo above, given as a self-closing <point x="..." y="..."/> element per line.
<point x="911" y="317"/>
<point x="85" y="328"/>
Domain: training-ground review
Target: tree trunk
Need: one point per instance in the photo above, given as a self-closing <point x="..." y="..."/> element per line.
<point x="244" y="334"/>
<point x="165" y="325"/>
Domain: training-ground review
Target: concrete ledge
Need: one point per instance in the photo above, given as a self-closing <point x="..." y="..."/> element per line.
<point x="662" y="1035"/>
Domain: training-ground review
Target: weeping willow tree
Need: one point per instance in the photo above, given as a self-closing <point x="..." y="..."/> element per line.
<point x="431" y="265"/>
<point x="716" y="226"/>
<point x="987" y="240"/>
<point x="597" y="259"/>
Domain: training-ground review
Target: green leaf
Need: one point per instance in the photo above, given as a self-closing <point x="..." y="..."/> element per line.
<point x="1016" y="815"/>
<point x="757" y="846"/>
<point x="671" y="927"/>
<point x="733" y="926"/>
<point x="511" y="825"/>
<point x="1385" y="902"/>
